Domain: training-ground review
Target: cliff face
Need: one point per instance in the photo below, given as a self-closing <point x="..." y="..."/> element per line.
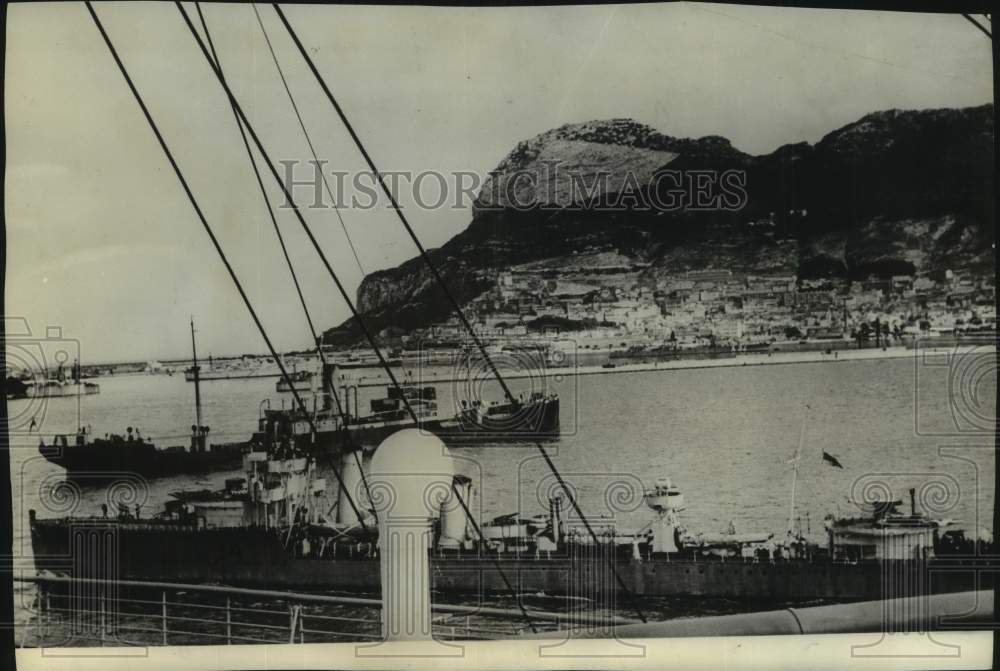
<point x="894" y="192"/>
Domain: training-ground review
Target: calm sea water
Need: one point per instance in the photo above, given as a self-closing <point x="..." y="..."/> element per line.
<point x="724" y="435"/>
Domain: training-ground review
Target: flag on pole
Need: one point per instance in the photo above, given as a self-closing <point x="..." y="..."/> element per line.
<point x="832" y="460"/>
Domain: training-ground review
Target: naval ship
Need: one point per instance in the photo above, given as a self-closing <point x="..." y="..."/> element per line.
<point x="339" y="423"/>
<point x="272" y="528"/>
<point x="59" y="386"/>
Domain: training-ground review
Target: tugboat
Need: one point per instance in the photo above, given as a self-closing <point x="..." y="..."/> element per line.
<point x="276" y="528"/>
<point x="107" y="458"/>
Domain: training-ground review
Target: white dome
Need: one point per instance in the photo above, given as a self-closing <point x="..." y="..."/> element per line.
<point x="411" y="475"/>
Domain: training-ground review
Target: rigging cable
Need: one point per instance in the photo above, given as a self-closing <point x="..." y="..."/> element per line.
<point x="312" y="149"/>
<point x="207" y="227"/>
<point x="284" y="250"/>
<point x="287" y="193"/>
<point x="340" y="287"/>
<point x="263" y="191"/>
<point x="440" y="281"/>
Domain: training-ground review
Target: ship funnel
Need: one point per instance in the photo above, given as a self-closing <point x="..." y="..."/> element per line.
<point x="555" y="518"/>
<point x="411" y="477"/>
<point x="329" y="374"/>
<point x="454" y="520"/>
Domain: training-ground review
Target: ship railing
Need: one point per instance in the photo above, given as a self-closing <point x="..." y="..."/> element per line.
<point x="69" y="611"/>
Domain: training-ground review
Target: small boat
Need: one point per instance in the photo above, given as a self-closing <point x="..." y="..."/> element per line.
<point x="93" y="460"/>
<point x="230" y="373"/>
<point x="96" y="459"/>
<point x="60" y="387"/>
<point x="54" y="388"/>
<point x="371" y="361"/>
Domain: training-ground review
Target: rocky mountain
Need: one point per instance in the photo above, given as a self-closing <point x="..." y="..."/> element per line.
<point x="894" y="192"/>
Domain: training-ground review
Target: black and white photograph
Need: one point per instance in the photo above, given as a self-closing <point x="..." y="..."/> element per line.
<point x="555" y="336"/>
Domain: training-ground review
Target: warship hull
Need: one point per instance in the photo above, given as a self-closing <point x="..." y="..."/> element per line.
<point x="257" y="557"/>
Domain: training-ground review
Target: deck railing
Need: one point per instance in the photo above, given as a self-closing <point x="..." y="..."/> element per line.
<point x="67" y="611"/>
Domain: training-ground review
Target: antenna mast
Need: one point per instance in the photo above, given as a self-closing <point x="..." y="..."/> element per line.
<point x="197" y="386"/>
<point x="795" y="467"/>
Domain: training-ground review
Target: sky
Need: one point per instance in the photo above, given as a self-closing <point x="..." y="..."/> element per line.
<point x="102" y="242"/>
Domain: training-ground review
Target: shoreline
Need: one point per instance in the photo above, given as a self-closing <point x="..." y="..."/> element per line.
<point x="739" y="360"/>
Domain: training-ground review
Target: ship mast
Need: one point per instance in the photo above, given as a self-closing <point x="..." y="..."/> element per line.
<point x="795" y="467"/>
<point x="197" y="386"/>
